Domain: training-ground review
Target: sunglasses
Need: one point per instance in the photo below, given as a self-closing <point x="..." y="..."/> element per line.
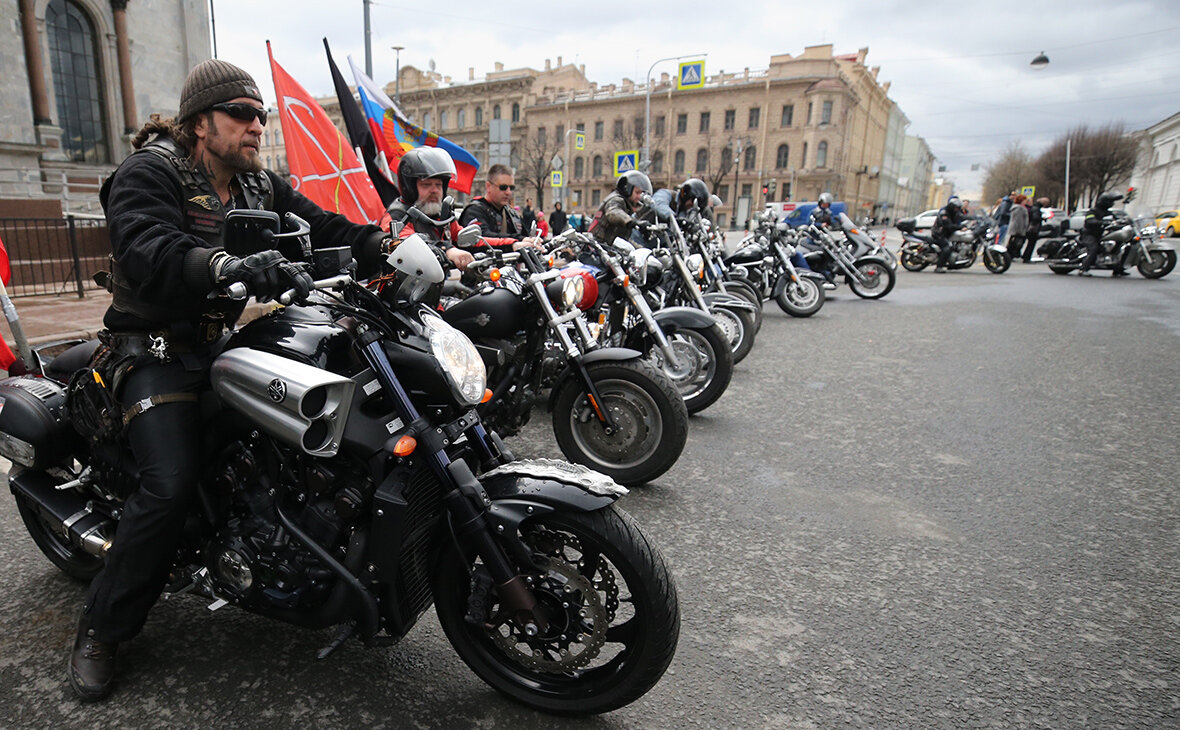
<point x="506" y="187"/>
<point x="242" y="111"/>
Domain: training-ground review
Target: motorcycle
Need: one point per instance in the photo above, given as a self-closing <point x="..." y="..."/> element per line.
<point x="611" y="410"/>
<point x="857" y="258"/>
<point x="977" y="237"/>
<point x="351" y="484"/>
<point x="1134" y="243"/>
<point x="686" y="343"/>
<point x="706" y="257"/>
<point x="764" y="258"/>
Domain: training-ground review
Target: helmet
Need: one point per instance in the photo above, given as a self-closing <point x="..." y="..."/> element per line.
<point x="419" y="164"/>
<point x="633" y="179"/>
<point x="954" y="203"/>
<point x="825" y="198"/>
<point x="693" y="190"/>
<point x="1106" y="200"/>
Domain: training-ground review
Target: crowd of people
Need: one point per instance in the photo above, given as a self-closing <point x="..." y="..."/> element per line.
<point x="1019" y="218"/>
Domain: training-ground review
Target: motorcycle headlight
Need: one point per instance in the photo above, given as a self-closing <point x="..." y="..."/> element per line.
<point x="459" y="359"/>
<point x="695" y="264"/>
<point x="572" y="291"/>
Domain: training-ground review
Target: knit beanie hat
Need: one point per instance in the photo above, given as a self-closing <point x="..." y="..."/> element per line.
<point x="213" y="82"/>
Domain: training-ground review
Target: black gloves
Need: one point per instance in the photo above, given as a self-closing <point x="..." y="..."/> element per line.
<point x="266" y="274"/>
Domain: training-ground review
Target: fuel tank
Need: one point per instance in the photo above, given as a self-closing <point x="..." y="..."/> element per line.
<point x="494" y="313"/>
<point x="751" y="254"/>
<point x="304" y="334"/>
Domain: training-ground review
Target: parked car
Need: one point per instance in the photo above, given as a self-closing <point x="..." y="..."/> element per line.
<point x="1168" y="223"/>
<point x="1053" y="221"/>
<point x="925" y="219"/>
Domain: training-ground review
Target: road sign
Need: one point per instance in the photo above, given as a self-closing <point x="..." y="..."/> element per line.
<point x="555" y="179"/>
<point x="692" y="75"/>
<point x="1028" y="190"/>
<point x="556" y="162"/>
<point x="626" y="161"/>
<point x="580" y="141"/>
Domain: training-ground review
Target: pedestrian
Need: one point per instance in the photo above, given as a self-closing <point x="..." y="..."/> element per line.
<point x="1035" y="220"/>
<point x="1017" y="225"/>
<point x="1003" y="215"/>
<point x="527" y="216"/>
<point x="542" y="224"/>
<point x="557" y="220"/>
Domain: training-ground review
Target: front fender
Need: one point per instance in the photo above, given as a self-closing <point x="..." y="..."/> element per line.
<point x="603" y="354"/>
<point x="671" y="319"/>
<point x="727" y="301"/>
<point x="531" y="487"/>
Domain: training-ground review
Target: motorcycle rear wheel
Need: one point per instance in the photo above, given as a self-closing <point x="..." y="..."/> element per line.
<point x="605" y="590"/>
<point x="997" y="262"/>
<point x="913" y="261"/>
<point x="704" y="365"/>
<point x="1158" y="265"/>
<point x="802" y="299"/>
<point x="746" y="290"/>
<point x="68" y="558"/>
<point x="880" y="280"/>
<point x="651" y="420"/>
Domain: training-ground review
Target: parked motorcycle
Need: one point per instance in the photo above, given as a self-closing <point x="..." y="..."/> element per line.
<point x="706" y="252"/>
<point x="1134" y="243"/>
<point x="976" y="237"/>
<point x="612" y="410"/>
<point x="350" y="484"/>
<point x="857" y="257"/>
<point x="764" y="258"/>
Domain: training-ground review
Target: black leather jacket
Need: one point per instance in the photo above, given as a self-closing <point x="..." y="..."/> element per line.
<point x="492" y="219"/>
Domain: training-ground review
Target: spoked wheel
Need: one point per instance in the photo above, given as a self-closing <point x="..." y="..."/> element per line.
<point x="651" y="421"/>
<point x="878" y="280"/>
<point x="997" y="262"/>
<point x="704" y="365"/>
<point x="737" y="326"/>
<point x="1158" y="264"/>
<point x="913" y="261"/>
<point x="606" y="595"/>
<point x="745" y="290"/>
<point x="68" y="558"/>
<point x="803" y="298"/>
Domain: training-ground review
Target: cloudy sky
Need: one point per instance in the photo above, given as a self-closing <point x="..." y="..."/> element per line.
<point x="959" y="71"/>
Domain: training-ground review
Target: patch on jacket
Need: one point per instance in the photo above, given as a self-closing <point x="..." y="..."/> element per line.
<point x="208" y="202"/>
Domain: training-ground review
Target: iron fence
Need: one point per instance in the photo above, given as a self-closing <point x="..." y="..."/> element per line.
<point x="54" y="255"/>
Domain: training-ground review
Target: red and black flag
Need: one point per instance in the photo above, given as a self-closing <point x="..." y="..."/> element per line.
<point x="361" y="136"/>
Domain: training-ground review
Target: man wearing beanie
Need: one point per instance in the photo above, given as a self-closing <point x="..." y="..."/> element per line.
<point x="165" y="208"/>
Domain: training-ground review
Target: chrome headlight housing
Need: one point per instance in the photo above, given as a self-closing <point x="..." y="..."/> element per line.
<point x="459" y="359"/>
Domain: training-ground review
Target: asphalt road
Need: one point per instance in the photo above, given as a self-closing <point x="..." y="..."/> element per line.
<point x="955" y="507"/>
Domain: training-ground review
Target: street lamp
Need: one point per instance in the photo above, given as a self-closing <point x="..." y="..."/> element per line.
<point x="1039" y="62"/>
<point x="647" y="104"/>
<point x="397" y="76"/>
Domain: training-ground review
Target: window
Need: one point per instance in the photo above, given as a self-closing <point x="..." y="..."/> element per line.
<point x="723" y="193"/>
<point x="747" y="189"/>
<point x="730" y="119"/>
<point x="581" y="127"/>
<point x="788" y="115"/>
<point x="577" y="198"/>
<point x="461" y="118"/>
<point x="659" y="130"/>
<point x="73" y="59"/>
<point x="515" y="112"/>
<point x="681" y="123"/>
<point x="821" y="154"/>
<point x="496" y="112"/>
<point x="809" y="105"/>
<point x="579" y="168"/>
<point x="597" y="166"/>
<point x="442" y="120"/>
<point x="637" y="125"/>
<point x="825" y="116"/>
<point x="542" y="137"/>
<point x="782" y="157"/>
<point x="598" y="131"/>
<point x="755" y="117"/>
<point x="751" y="158"/>
<point x="803" y="162"/>
<point x="678" y="162"/>
<point x="657" y="162"/>
<point x="618" y="129"/>
<point x="726" y="158"/>
<point x="595" y="197"/>
<point x="559" y="135"/>
<point x="704" y="122"/>
<point x="479" y="116"/>
<point x="702" y="160"/>
<point x="426" y="120"/>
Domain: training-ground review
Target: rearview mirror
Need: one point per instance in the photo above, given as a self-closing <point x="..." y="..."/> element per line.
<point x="250" y="231"/>
<point x="469" y="235"/>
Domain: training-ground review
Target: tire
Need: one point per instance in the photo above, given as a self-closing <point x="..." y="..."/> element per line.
<point x="627" y="601"/>
<point x="881" y="280"/>
<point x="746" y="291"/>
<point x="737" y="326"/>
<point x="802" y="299"/>
<point x="650" y="414"/>
<point x="1061" y="269"/>
<point x="704" y="365"/>
<point x="68" y="558"/>
<point x="912" y="261"/>
<point x="997" y="262"/>
<point x="1158" y="265"/>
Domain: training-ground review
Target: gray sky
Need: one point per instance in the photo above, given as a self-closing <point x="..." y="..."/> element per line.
<point x="959" y="71"/>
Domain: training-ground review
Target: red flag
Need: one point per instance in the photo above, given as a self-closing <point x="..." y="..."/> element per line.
<point x="7" y="357"/>
<point x="5" y="266"/>
<point x="323" y="165"/>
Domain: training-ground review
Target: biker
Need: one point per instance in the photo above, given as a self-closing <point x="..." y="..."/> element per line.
<point x="949" y="219"/>
<point x="1091" y="237"/>
<point x="821" y="214"/>
<point x="616" y="216"/>
<point x="423" y="175"/>
<point x="493" y="212"/>
<point x="166" y="206"/>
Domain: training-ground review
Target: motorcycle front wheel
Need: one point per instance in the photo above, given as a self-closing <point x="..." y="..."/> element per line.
<point x="651" y="421"/>
<point x="738" y="327"/>
<point x="801" y="299"/>
<point x="879" y="280"/>
<point x="1158" y="264"/>
<point x="997" y="262"/>
<point x="611" y="606"/>
<point x="704" y="365"/>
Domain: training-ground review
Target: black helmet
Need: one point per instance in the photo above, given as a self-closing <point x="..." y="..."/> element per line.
<point x="419" y="164"/>
<point x="633" y="179"/>
<point x="954" y="203"/>
<point x="693" y="190"/>
<point x="1106" y="200"/>
<point x="825" y="198"/>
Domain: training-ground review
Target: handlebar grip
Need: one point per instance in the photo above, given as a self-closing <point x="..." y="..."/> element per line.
<point x="287" y="297"/>
<point x="237" y="290"/>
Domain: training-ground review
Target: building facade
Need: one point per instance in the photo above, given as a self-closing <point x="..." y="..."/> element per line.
<point x="1157" y="172"/>
<point x="81" y="78"/>
<point x="917" y="168"/>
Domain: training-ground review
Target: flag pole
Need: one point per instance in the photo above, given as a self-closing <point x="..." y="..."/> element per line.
<point x="18" y="332"/>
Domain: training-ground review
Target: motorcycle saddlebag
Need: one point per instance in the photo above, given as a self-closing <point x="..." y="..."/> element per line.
<point x="34" y="432"/>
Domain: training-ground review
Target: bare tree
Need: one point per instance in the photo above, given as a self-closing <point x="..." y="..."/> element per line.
<point x="1013" y="170"/>
<point x="1099" y="160"/>
<point x="724" y="165"/>
<point x="536" y="154"/>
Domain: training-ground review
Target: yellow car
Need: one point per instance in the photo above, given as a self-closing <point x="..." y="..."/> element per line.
<point x="1168" y="223"/>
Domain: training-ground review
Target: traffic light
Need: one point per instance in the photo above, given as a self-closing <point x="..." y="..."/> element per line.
<point x="1130" y="195"/>
<point x="766" y="189"/>
<point x="772" y="185"/>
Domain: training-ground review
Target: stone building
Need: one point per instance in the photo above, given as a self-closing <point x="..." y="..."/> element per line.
<point x="917" y="165"/>
<point x="81" y="76"/>
<point x="1157" y="171"/>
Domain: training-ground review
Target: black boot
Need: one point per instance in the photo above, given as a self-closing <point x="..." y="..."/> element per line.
<point x="92" y="665"/>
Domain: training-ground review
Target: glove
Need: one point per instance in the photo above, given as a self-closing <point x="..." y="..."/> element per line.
<point x="266" y="274"/>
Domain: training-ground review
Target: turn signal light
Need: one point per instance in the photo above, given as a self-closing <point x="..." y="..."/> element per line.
<point x="487" y="395"/>
<point x="494" y="274"/>
<point x="405" y="446"/>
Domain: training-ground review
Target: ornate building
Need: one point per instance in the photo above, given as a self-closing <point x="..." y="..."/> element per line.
<point x="1157" y="171"/>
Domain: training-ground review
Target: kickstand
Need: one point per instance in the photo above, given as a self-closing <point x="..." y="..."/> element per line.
<point x="343" y="633"/>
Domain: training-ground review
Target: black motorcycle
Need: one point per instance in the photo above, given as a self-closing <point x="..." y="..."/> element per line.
<point x="977" y="237"/>
<point x="350" y="483"/>
<point x="764" y="258"/>
<point x="612" y="411"/>
<point x="1125" y="243"/>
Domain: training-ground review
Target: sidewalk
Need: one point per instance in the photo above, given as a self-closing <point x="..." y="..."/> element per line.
<point x="48" y="317"/>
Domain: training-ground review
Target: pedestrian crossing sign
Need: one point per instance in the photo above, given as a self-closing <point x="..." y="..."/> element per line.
<point x="691" y="76"/>
<point x="555" y="179"/>
<point x="1028" y="190"/>
<point x="626" y="161"/>
<point x="579" y="141"/>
